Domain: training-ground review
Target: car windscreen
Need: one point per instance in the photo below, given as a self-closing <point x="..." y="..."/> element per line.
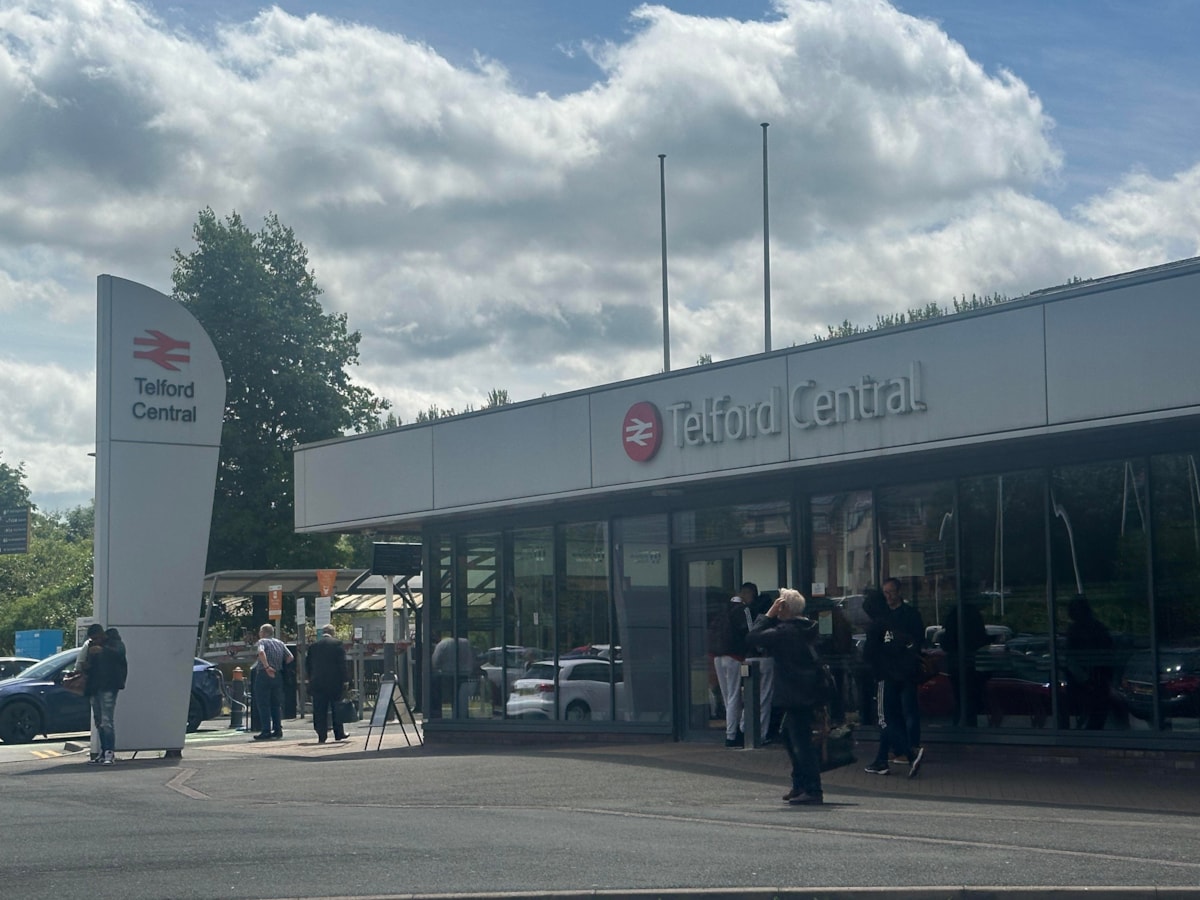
<point x="49" y="666"/>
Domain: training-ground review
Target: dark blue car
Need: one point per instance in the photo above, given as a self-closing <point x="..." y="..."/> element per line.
<point x="35" y="702"/>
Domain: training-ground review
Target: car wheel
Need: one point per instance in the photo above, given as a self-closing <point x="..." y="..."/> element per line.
<point x="20" y="723"/>
<point x="195" y="714"/>
<point x="578" y="711"/>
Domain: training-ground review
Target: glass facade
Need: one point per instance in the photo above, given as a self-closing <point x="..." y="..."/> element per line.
<point x="1062" y="598"/>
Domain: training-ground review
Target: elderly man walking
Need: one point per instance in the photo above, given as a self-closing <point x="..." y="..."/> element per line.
<point x="325" y="664"/>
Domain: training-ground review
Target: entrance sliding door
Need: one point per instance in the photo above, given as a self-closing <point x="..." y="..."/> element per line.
<point x="708" y="580"/>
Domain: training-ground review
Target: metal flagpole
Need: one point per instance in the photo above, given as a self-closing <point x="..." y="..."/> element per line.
<point x="766" y="252"/>
<point x="662" y="192"/>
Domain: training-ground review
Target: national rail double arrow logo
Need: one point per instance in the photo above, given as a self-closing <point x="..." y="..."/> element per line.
<point x="162" y="352"/>
<point x="641" y="432"/>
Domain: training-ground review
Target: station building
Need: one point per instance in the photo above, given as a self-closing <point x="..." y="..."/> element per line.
<point x="1000" y="463"/>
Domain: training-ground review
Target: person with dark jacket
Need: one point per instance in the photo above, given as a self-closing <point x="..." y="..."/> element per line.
<point x="727" y="644"/>
<point x="325" y="665"/>
<point x="894" y="657"/>
<point x="102" y="659"/>
<point x="790" y="638"/>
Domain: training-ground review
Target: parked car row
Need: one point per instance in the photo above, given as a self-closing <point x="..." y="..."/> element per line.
<point x="34" y="702"/>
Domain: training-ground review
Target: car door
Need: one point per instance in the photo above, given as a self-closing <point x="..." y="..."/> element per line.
<point x="65" y="711"/>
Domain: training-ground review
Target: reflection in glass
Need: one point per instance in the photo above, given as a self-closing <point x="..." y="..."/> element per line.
<point x="529" y="610"/>
<point x="643" y="608"/>
<point x="1173" y="675"/>
<point x="585" y="613"/>
<point x="1100" y="554"/>
<point x="843" y="558"/>
<point x="478" y="622"/>
<point x="1002" y="673"/>
<point x="917" y="547"/>
<point x="733" y="523"/>
<point x="709" y="585"/>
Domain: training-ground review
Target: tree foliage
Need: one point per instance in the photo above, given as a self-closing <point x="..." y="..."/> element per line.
<point x="287" y="382"/>
<point x="931" y="310"/>
<point x="13" y="492"/>
<point x="496" y="397"/>
<point x="51" y="585"/>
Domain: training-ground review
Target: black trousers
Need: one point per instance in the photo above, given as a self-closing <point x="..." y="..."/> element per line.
<point x="798" y="740"/>
<point x="325" y="713"/>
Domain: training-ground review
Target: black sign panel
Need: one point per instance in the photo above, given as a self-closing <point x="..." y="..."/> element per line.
<point x="396" y="559"/>
<point x="14" y="530"/>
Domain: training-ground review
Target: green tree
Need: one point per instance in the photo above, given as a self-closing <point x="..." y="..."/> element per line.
<point x="13" y="492"/>
<point x="286" y="366"/>
<point x="51" y="585"/>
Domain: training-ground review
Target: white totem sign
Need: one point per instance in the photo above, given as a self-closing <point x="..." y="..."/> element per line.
<point x="160" y="403"/>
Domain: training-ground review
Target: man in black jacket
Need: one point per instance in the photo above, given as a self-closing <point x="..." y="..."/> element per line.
<point x="893" y="649"/>
<point x="325" y="665"/>
<point x="102" y="658"/>
<point x="789" y="637"/>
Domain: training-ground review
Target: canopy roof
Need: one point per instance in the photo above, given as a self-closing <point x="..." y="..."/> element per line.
<point x="356" y="590"/>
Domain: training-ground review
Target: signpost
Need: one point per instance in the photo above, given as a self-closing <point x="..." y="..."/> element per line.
<point x="14" y="530"/>
<point x="275" y="601"/>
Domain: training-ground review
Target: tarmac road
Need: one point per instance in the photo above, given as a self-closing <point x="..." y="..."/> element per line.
<point x="294" y="819"/>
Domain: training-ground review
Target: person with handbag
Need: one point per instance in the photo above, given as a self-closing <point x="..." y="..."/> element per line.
<point x="800" y="686"/>
<point x="103" y="664"/>
<point x="325" y="664"/>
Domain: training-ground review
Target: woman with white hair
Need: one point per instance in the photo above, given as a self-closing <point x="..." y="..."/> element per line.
<point x="790" y="638"/>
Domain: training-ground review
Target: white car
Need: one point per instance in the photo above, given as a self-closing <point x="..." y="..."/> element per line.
<point x="504" y="665"/>
<point x="581" y="689"/>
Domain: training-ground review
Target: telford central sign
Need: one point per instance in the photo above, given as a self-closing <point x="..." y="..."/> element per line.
<point x="159" y="399"/>
<point x="809" y="404"/>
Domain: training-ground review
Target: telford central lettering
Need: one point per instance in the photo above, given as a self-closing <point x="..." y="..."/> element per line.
<point x="720" y="419"/>
<point x="869" y="399"/>
<point x="156" y="409"/>
<point x="809" y="405"/>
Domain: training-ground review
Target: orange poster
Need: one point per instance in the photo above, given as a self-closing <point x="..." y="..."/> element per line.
<point x="327" y="581"/>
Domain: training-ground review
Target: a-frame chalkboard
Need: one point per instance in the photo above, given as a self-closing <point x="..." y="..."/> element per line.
<point x="389" y="689"/>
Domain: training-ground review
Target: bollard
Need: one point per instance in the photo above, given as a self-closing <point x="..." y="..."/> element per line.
<point x="237" y="698"/>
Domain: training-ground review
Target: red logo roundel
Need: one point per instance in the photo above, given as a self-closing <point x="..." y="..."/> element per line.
<point x="641" y="432"/>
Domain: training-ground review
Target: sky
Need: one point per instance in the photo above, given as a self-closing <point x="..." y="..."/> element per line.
<point x="478" y="182"/>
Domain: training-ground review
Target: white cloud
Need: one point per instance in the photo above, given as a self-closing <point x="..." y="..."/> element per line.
<point x="481" y="236"/>
<point x="50" y="426"/>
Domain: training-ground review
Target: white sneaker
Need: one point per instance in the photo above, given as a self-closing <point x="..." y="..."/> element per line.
<point x="109" y="758"/>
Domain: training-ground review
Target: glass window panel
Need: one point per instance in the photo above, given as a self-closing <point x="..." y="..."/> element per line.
<point x="643" y="609"/>
<point x="733" y="523"/>
<point x="440" y="602"/>
<point x="1100" y="555"/>
<point x="1002" y="543"/>
<point x="709" y="582"/>
<point x="1176" y="603"/>
<point x="585" y="621"/>
<point x="529" y="611"/>
<point x="917" y="547"/>
<point x="843" y="549"/>
<point x="843" y="559"/>
<point x="463" y="690"/>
